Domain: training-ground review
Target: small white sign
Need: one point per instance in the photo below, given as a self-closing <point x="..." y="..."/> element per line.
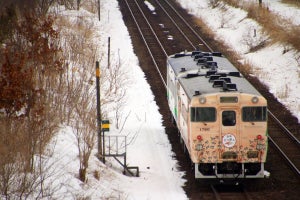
<point x="229" y="140"/>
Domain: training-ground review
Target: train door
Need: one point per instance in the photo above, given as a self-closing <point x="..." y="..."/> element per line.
<point x="229" y="134"/>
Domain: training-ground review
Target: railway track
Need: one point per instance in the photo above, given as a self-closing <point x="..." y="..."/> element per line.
<point x="154" y="46"/>
<point x="237" y="192"/>
<point x="153" y="31"/>
<point x="285" y="142"/>
<point x="192" y="39"/>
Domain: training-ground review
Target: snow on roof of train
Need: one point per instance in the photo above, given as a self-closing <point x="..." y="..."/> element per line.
<point x="194" y="73"/>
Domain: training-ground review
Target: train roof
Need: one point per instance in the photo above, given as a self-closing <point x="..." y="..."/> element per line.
<point x="206" y="73"/>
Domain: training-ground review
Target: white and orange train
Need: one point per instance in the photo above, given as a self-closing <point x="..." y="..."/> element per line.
<point x="221" y="117"/>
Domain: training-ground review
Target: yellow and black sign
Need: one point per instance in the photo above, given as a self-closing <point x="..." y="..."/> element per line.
<point x="105" y="125"/>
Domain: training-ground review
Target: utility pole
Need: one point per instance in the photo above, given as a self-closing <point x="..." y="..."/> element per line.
<point x="108" y="52"/>
<point x="100" y="155"/>
<point x="99" y="9"/>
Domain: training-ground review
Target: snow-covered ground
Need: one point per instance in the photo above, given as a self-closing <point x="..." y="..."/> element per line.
<point x="149" y="148"/>
<point x="286" y="11"/>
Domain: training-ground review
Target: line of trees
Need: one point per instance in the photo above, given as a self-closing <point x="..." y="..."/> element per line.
<point x="32" y="68"/>
<point x="46" y="80"/>
<point x="30" y="60"/>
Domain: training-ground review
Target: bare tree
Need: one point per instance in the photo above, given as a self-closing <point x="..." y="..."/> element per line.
<point x="70" y="4"/>
<point x="297" y="58"/>
<point x="114" y="81"/>
<point x="29" y="64"/>
<point x="255" y="41"/>
<point x="214" y="3"/>
<point x="79" y="101"/>
<point x="85" y="131"/>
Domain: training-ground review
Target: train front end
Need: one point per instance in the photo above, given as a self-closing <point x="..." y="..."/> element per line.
<point x="228" y="135"/>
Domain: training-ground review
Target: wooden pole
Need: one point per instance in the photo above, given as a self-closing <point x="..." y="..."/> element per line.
<point x="99" y="9"/>
<point x="108" y="57"/>
<point x="100" y="155"/>
<point x="103" y="152"/>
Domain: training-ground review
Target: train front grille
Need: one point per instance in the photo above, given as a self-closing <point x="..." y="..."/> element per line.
<point x="229" y="155"/>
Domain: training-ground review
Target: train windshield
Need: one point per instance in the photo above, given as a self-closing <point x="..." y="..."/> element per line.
<point x="203" y="114"/>
<point x="228" y="118"/>
<point x="257" y="113"/>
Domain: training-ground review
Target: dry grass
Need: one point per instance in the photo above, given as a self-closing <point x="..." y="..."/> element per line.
<point x="283" y="93"/>
<point x="244" y="68"/>
<point x="279" y="29"/>
<point x="91" y="6"/>
<point x="292" y="2"/>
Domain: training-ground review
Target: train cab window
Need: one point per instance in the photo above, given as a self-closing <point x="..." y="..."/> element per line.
<point x="228" y="118"/>
<point x="203" y="114"/>
<point x="254" y="114"/>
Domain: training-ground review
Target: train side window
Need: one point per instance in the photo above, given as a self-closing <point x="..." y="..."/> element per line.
<point x="228" y="118"/>
<point x="254" y="113"/>
<point x="203" y="114"/>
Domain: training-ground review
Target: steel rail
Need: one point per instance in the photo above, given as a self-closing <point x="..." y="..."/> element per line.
<point x="285" y="156"/>
<point x="176" y="25"/>
<point x="191" y="28"/>
<point x="141" y="33"/>
<point x="291" y="136"/>
<point x="283" y="127"/>
<point x="236" y="195"/>
<point x="148" y="23"/>
<point x="215" y="192"/>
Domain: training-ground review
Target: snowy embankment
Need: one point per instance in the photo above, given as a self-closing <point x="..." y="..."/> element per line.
<point x="148" y="145"/>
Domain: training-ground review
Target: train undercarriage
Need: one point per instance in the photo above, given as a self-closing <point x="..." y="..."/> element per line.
<point x="230" y="170"/>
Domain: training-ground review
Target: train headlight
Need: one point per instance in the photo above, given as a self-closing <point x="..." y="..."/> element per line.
<point x="259" y="137"/>
<point x="254" y="99"/>
<point x="199" y="137"/>
<point x="202" y="100"/>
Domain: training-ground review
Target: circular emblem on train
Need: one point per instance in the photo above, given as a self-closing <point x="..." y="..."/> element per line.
<point x="229" y="140"/>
